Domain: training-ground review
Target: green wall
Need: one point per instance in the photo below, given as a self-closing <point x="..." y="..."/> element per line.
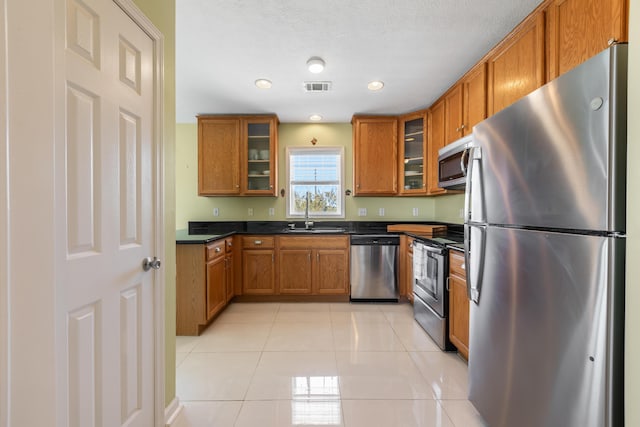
<point x="632" y="340"/>
<point x="163" y="15"/>
<point x="191" y="207"/>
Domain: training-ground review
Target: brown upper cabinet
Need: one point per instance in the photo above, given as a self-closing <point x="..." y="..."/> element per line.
<point x="237" y="155"/>
<point x="579" y="29"/>
<point x="413" y="153"/>
<point x="435" y="141"/>
<point x="375" y="155"/>
<point x="474" y="97"/>
<point x="453" y="121"/>
<point x="516" y="65"/>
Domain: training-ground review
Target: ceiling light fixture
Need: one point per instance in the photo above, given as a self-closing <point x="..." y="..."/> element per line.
<point x="375" y="85"/>
<point x="315" y="64"/>
<point x="263" y="84"/>
<point x="315" y="117"/>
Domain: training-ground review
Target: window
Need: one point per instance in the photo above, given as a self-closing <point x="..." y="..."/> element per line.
<point x="317" y="171"/>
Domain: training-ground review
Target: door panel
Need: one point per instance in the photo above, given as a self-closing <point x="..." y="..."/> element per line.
<point x="105" y="203"/>
<point x="552" y="159"/>
<point x="547" y="329"/>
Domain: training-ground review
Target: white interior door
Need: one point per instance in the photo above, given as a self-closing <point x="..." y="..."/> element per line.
<point x="105" y="217"/>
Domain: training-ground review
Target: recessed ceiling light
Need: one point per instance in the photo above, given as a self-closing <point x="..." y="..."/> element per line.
<point x="315" y="64"/>
<point x="375" y="85"/>
<point x="263" y="84"/>
<point x="315" y="117"/>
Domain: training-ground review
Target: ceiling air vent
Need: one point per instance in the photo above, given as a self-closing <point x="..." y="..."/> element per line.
<point x="317" y="86"/>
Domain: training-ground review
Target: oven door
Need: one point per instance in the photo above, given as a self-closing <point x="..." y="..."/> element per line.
<point x="428" y="276"/>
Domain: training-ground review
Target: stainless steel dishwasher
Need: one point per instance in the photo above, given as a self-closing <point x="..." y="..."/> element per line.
<point x="374" y="267"/>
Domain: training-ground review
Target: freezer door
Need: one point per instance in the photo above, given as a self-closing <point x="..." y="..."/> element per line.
<point x="557" y="158"/>
<point x="546" y="335"/>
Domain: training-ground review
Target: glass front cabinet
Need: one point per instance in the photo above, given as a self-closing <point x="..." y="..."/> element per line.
<point x="260" y="156"/>
<point x="413" y="148"/>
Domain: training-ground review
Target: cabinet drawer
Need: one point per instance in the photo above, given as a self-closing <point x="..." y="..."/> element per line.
<point x="305" y="242"/>
<point x="258" y="242"/>
<point x="215" y="250"/>
<point x="456" y="264"/>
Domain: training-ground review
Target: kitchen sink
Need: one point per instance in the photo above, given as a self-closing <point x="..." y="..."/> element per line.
<point x="315" y="230"/>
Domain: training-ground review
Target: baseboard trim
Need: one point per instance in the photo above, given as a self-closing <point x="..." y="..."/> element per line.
<point x="172" y="413"/>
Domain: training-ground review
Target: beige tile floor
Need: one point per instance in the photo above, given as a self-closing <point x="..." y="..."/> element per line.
<point x="308" y="364"/>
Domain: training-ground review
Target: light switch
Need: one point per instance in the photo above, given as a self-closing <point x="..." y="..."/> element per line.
<point x="381" y="212"/>
<point x="250" y="211"/>
<point x="272" y="211"/>
<point x="362" y="211"/>
<point x="216" y="212"/>
<point x="415" y="211"/>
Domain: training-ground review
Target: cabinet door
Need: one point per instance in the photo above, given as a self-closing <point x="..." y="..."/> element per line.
<point x="459" y="315"/>
<point x="258" y="272"/>
<point x="580" y="29"/>
<point x="218" y="156"/>
<point x="413" y="149"/>
<point x="216" y="286"/>
<point x="295" y="271"/>
<point x="436" y="139"/>
<point x="229" y="276"/>
<point x="409" y="277"/>
<point x="474" y="97"/>
<point x="453" y="123"/>
<point x="259" y="155"/>
<point x="375" y="156"/>
<point x="516" y="68"/>
<point x="331" y="272"/>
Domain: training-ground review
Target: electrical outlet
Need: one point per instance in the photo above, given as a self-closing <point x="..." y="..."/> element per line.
<point x="272" y="211"/>
<point x="250" y="211"/>
<point x="380" y="211"/>
<point x="216" y="212"/>
<point x="362" y="211"/>
<point x="414" y="211"/>
<point x="461" y="213"/>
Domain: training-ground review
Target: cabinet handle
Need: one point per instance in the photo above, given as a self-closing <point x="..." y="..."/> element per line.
<point x="257" y="242"/>
<point x="273" y="259"/>
<point x="463" y="266"/>
<point x="218" y="249"/>
<point x="317" y="256"/>
<point x="237" y="185"/>
<point x="447" y="284"/>
<point x="612" y="41"/>
<point x="309" y="256"/>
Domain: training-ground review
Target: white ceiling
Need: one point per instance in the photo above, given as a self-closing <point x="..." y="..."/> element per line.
<point x="417" y="47"/>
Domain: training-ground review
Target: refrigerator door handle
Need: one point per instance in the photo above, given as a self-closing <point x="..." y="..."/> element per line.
<point x="474" y="154"/>
<point x="474" y="278"/>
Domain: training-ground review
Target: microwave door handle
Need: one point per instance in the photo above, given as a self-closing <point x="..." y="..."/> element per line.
<point x="462" y="161"/>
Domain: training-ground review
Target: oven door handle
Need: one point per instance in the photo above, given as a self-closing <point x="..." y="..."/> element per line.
<point x="426" y="247"/>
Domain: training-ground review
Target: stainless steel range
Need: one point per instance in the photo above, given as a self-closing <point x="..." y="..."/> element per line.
<point x="430" y="296"/>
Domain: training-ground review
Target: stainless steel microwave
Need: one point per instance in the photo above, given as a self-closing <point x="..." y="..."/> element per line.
<point x="452" y="164"/>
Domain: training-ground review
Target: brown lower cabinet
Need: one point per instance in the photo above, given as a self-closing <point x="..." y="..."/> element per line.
<point x="295" y="265"/>
<point x="313" y="265"/>
<point x="258" y="265"/>
<point x="406" y="267"/>
<point x="202" y="282"/>
<point x="458" y="303"/>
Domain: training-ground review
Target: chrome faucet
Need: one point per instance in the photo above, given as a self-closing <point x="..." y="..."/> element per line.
<point x="307" y="224"/>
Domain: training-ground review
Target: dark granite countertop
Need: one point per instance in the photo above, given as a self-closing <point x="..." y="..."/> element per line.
<point x="200" y="232"/>
<point x="184" y="238"/>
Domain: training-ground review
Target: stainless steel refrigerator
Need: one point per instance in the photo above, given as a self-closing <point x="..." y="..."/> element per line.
<point x="545" y="240"/>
